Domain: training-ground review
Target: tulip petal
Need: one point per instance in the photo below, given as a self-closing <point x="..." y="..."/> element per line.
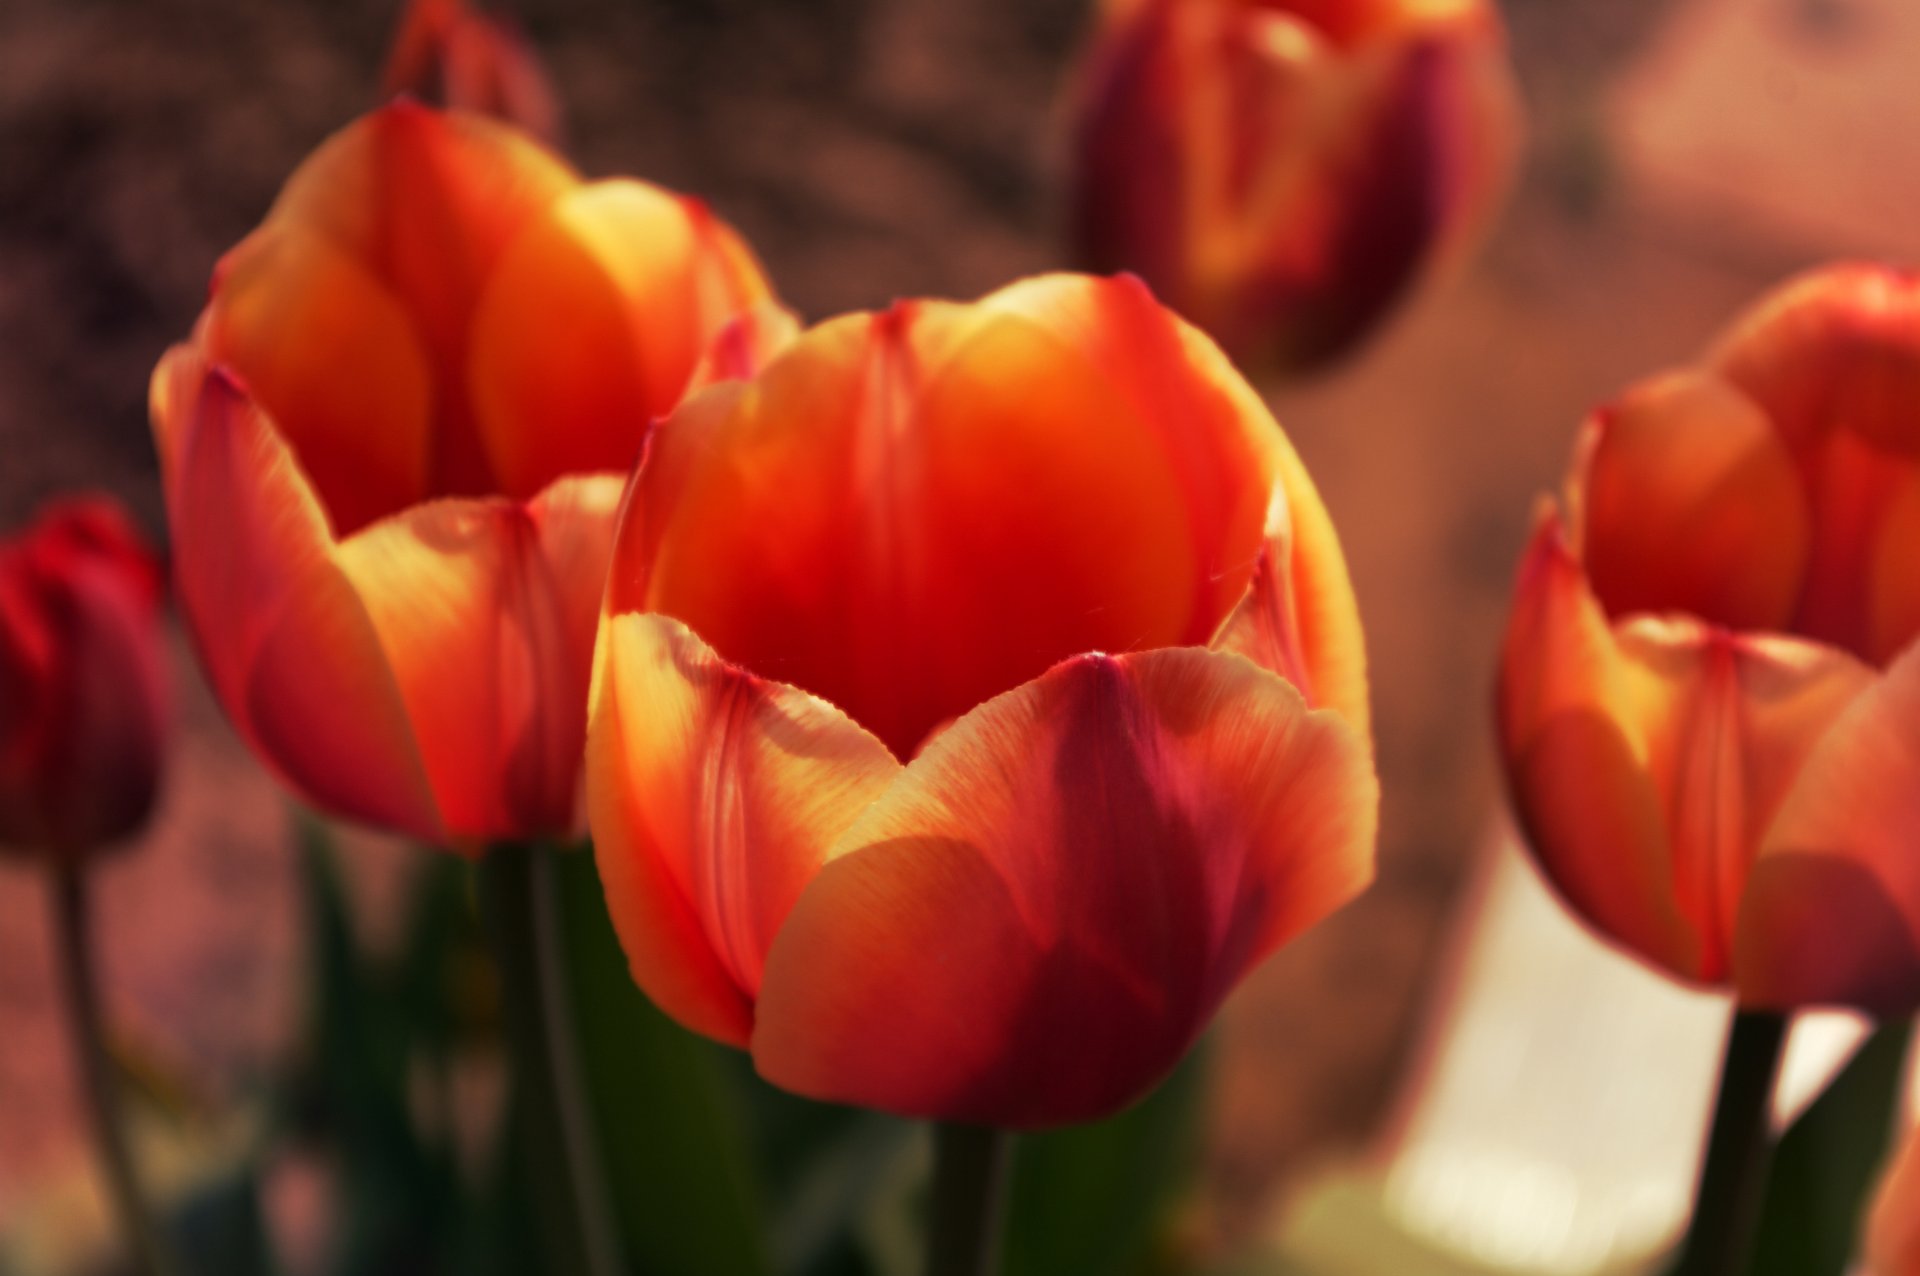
<point x="286" y="643"/>
<point x="1689" y="501"/>
<point x="327" y="352"/>
<point x="1836" y="350"/>
<point x="428" y="202"/>
<point x="1035" y="921"/>
<point x="1648" y="759"/>
<point x="920" y="509"/>
<point x="1832" y="914"/>
<point x="482" y="607"/>
<point x="714" y="797"/>
<point x="593" y="325"/>
<point x="1299" y="617"/>
<point x="1570" y="717"/>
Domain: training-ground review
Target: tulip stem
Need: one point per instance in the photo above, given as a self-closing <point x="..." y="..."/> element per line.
<point x="73" y="934"/>
<point x="1733" y="1178"/>
<point x="520" y="898"/>
<point x="969" y="1191"/>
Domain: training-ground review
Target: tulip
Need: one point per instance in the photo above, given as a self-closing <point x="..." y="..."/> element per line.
<point x="871" y="797"/>
<point x="1284" y="171"/>
<point x="1710" y="690"/>
<point x="393" y="450"/>
<point x="82" y="695"/>
<point x="448" y="54"/>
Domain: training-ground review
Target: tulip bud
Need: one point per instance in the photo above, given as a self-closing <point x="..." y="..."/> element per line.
<point x="1710" y="689"/>
<point x="1284" y="171"/>
<point x="83" y="716"/>
<point x="394" y="447"/>
<point x="868" y="795"/>
<point x="446" y="54"/>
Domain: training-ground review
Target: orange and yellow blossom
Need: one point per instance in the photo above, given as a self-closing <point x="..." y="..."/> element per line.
<point x="869" y="794"/>
<point x="1710" y="690"/>
<point x="393" y="450"/>
<point x="83" y="703"/>
<point x="1283" y="172"/>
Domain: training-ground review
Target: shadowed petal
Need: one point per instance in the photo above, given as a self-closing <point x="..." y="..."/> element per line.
<point x="1833" y="910"/>
<point x="1035" y="921"/>
<point x="714" y="797"/>
<point x="286" y="642"/>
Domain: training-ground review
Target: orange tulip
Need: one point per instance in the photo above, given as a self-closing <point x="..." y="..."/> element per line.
<point x="393" y="451"/>
<point x="447" y="54"/>
<point x="1283" y="171"/>
<point x="1710" y="691"/>
<point x="82" y="692"/>
<point x="868" y="797"/>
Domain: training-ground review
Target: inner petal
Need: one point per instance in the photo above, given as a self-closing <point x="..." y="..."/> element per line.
<point x="911" y="512"/>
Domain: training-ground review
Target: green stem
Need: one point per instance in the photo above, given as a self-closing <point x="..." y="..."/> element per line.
<point x="969" y="1198"/>
<point x="519" y="896"/>
<point x="1733" y="1177"/>
<point x="72" y="935"/>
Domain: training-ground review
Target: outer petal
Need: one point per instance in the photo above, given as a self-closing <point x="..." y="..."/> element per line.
<point x="911" y="512"/>
<point x="1036" y="920"/>
<point x="714" y="798"/>
<point x="1648" y="760"/>
<point x="485" y="610"/>
<point x="1689" y="501"/>
<point x="593" y="325"/>
<point x="1571" y="731"/>
<point x="1832" y="914"/>
<point x="286" y="643"/>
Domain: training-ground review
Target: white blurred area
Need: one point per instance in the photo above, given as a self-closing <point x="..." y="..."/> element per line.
<point x="1556" y="1121"/>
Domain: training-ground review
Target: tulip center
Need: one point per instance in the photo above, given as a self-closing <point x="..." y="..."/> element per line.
<point x="913" y="512"/>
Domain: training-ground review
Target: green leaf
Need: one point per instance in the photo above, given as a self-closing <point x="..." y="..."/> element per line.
<point x="1825" y="1166"/>
<point x="668" y="1122"/>
<point x="1094" y="1200"/>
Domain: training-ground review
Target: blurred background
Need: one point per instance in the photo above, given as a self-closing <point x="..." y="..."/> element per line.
<point x="1682" y="156"/>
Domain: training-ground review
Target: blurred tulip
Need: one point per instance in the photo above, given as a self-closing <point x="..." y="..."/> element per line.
<point x="868" y="797"/>
<point x="83" y="715"/>
<point x="393" y="451"/>
<point x="448" y="55"/>
<point x="1284" y="171"/>
<point x="1893" y="1227"/>
<point x="1710" y="690"/>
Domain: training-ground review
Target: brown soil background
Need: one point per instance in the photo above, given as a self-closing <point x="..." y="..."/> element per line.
<point x="1683" y="156"/>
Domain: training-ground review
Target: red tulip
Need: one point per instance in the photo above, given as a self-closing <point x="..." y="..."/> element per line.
<point x="868" y="796"/>
<point x="448" y="54"/>
<point x="1284" y="171"/>
<point x="393" y="452"/>
<point x="1710" y="692"/>
<point x="83" y="715"/>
